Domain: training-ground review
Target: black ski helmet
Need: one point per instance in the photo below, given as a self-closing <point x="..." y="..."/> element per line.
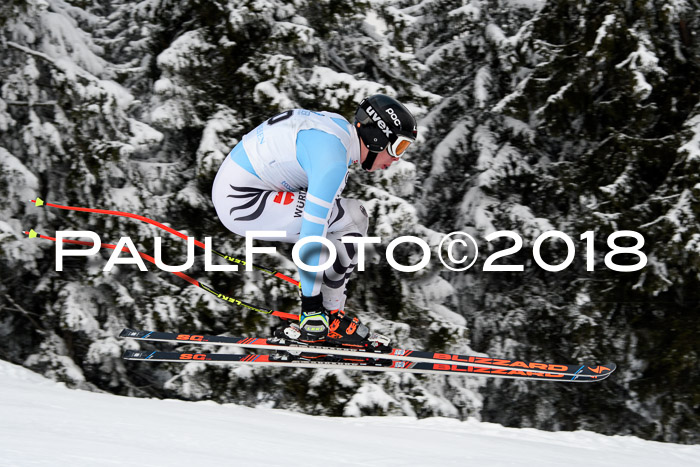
<point x="382" y="121"/>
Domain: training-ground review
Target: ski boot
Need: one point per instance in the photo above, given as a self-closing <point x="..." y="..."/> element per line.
<point x="313" y="323"/>
<point x="344" y="331"/>
<point x="320" y="326"/>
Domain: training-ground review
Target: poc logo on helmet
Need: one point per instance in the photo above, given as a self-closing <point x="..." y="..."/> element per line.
<point x="394" y="117"/>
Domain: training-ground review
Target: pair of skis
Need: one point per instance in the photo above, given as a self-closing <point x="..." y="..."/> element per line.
<point x="292" y="354"/>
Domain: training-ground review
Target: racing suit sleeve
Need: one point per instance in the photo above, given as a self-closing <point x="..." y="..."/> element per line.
<point x="324" y="159"/>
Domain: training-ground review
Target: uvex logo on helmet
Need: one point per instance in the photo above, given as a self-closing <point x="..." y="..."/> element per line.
<point x="378" y="120"/>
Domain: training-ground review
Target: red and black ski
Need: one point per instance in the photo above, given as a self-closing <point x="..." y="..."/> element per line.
<point x="362" y="364"/>
<point x="433" y="361"/>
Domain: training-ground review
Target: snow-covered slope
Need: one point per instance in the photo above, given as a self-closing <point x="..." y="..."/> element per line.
<point x="44" y="423"/>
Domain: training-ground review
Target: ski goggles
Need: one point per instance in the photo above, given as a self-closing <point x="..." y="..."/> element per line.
<point x="398" y="147"/>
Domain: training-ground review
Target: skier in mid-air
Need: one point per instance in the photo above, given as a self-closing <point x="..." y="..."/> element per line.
<point x="288" y="175"/>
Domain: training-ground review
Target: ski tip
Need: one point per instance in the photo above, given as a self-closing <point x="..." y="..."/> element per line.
<point x="38" y="202"/>
<point x="600" y="370"/>
<point x="31" y="234"/>
<point x="606" y="371"/>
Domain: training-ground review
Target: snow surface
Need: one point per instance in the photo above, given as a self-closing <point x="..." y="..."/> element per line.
<point x="42" y="423"/>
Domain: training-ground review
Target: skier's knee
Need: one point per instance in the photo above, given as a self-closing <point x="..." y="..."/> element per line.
<point x="358" y="215"/>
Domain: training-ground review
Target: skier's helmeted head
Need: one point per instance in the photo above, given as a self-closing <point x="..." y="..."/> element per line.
<point x="382" y="123"/>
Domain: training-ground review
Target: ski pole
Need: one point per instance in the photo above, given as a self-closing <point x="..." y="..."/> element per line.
<point x="227" y="298"/>
<point x="40" y="202"/>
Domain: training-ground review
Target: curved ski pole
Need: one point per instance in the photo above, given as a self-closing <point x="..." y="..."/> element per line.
<point x="227" y="298"/>
<point x="40" y="202"/>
